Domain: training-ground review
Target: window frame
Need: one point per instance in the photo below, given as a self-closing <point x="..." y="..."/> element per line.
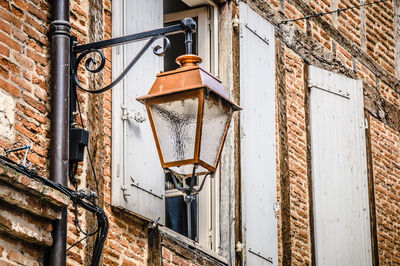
<point x="208" y="198"/>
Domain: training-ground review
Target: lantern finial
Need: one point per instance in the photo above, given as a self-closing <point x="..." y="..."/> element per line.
<point x="188" y="60"/>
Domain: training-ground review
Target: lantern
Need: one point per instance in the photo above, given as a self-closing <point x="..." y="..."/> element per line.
<point x="189" y="113"/>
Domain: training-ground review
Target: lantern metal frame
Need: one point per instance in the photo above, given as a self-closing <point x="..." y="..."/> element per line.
<point x="201" y="93"/>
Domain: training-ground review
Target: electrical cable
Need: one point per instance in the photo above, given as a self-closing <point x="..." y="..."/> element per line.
<point x="94" y="229"/>
<point x="332" y="12"/>
<point x="87" y="148"/>
<point x="77" y="242"/>
<point x="76" y="220"/>
<point x="85" y="200"/>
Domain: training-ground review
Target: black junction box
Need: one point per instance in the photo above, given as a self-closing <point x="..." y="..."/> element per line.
<point x="79" y="139"/>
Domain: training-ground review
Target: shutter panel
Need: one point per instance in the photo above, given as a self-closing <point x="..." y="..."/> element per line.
<point x="257" y="119"/>
<point x="138" y="173"/>
<point x="339" y="170"/>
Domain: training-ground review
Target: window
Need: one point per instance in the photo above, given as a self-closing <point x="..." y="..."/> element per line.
<point x="175" y="207"/>
<point x="139" y="184"/>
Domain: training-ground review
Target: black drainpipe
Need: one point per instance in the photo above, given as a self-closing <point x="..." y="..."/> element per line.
<point x="59" y="134"/>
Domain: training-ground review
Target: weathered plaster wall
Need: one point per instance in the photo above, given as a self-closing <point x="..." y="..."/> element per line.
<point x="27" y="210"/>
<point x="7" y="116"/>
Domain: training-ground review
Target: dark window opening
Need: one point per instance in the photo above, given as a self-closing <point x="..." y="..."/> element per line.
<point x="176" y="211"/>
<point x="171" y="6"/>
<point x="177" y="47"/>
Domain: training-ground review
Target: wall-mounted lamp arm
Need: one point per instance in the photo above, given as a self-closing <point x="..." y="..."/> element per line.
<point x="79" y="52"/>
<point x="185" y="25"/>
<point x="90" y="61"/>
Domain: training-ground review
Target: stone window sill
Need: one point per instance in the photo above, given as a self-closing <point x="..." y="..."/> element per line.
<point x="28" y="207"/>
<point x="189" y="249"/>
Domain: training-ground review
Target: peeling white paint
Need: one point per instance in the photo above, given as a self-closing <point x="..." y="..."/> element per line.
<point x="7" y="115"/>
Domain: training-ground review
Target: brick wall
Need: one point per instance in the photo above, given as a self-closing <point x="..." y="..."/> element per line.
<point x="24" y="79"/>
<point x="127" y="242"/>
<point x="293" y="158"/>
<point x="358" y="43"/>
<point x="297" y="153"/>
<point x="385" y="146"/>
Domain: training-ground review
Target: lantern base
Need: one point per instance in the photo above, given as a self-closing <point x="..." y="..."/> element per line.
<point x="184" y="169"/>
<point x="190" y="190"/>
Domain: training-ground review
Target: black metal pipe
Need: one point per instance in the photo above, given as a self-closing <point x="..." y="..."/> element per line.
<point x="59" y="138"/>
<point x="188" y="42"/>
<point x="190" y="28"/>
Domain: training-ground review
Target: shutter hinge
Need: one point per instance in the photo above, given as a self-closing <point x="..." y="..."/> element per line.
<point x="254" y="31"/>
<point x="155" y="223"/>
<point x="365" y="123"/>
<point x="138" y="117"/>
<point x="124" y="191"/>
<point x="257" y="253"/>
<point x="331" y="89"/>
<point x="148" y="190"/>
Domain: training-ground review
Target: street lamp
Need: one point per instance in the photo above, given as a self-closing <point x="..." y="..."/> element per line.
<point x="188" y="109"/>
<point x="189" y="113"/>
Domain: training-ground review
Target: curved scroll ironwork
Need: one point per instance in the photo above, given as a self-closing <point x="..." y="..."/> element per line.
<point x="158" y="50"/>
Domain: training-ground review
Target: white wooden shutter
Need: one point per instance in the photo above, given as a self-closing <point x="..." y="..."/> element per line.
<point x="138" y="179"/>
<point x="257" y="119"/>
<point x="339" y="171"/>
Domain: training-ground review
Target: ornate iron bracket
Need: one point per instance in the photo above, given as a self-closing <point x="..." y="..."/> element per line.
<point x="88" y="51"/>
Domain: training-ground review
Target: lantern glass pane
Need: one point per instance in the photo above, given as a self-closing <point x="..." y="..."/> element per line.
<point x="176" y="123"/>
<point x="215" y="118"/>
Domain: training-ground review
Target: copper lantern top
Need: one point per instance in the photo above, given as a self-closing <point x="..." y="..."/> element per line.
<point x="187" y="77"/>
